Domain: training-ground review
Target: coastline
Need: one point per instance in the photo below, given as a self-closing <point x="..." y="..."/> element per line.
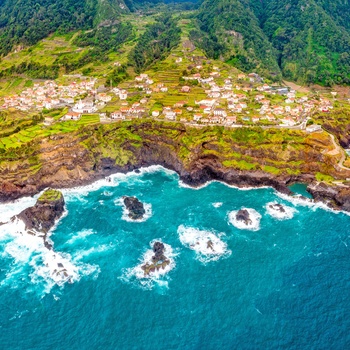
<point x="73" y="160"/>
<point x="321" y="192"/>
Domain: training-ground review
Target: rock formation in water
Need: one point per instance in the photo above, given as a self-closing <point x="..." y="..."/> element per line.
<point x="159" y="260"/>
<point x="243" y="215"/>
<point x="336" y="197"/>
<point x="40" y="218"/>
<point x="135" y="208"/>
<point x="277" y="207"/>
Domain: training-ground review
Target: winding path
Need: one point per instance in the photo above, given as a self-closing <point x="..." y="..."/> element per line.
<point x="340" y="150"/>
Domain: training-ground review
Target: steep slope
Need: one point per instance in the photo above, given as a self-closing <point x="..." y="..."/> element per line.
<point x="308" y="39"/>
<point x="25" y="22"/>
<point x="234" y="33"/>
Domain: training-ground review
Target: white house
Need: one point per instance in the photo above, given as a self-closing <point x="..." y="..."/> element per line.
<point x="123" y="95"/>
<point x="72" y="116"/>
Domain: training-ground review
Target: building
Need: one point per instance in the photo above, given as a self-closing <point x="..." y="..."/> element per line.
<point x="72" y="116"/>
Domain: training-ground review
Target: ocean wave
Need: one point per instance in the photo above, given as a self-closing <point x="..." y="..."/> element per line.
<point x="137" y="277"/>
<point x="206" y="184"/>
<point x="48" y="267"/>
<point x="184" y="185"/>
<point x="217" y="204"/>
<point x="207" y="244"/>
<point x="114" y="180"/>
<point x="273" y="210"/>
<point x="255" y="218"/>
<point x="299" y="200"/>
<point x="8" y="210"/>
<point x="81" y="235"/>
<point x="81" y="254"/>
<point x="125" y="215"/>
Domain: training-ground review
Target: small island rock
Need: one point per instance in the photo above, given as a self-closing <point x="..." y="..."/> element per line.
<point x="277" y="207"/>
<point x="40" y="218"/>
<point x="243" y="215"/>
<point x="135" y="208"/>
<point x="159" y="260"/>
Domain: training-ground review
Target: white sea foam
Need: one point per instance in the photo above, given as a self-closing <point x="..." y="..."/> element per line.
<point x="125" y="216"/>
<point x="136" y="275"/>
<point x="81" y="254"/>
<point x="299" y="200"/>
<point x="48" y="267"/>
<point x="274" y="211"/>
<point x="245" y="188"/>
<point x="255" y="218"/>
<point x="81" y="235"/>
<point x="113" y="181"/>
<point x="207" y="244"/>
<point x="184" y="185"/>
<point x="8" y="210"/>
<point x="217" y="204"/>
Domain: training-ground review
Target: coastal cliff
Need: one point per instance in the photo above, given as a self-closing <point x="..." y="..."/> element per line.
<point x="242" y="157"/>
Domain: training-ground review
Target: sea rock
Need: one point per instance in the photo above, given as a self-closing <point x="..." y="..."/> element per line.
<point x="159" y="260"/>
<point x="134" y="207"/>
<point x="277" y="207"/>
<point x="336" y="197"/>
<point x="40" y="218"/>
<point x="243" y="215"/>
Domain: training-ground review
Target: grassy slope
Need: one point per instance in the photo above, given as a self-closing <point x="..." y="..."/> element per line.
<point x="274" y="151"/>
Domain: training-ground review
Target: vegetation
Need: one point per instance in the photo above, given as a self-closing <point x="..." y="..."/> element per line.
<point x="156" y="43"/>
<point x="306" y="42"/>
<point x="50" y="195"/>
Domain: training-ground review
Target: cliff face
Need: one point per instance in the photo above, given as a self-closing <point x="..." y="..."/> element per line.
<point x="239" y="157"/>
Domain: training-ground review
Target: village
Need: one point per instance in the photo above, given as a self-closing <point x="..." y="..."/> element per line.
<point x="202" y="96"/>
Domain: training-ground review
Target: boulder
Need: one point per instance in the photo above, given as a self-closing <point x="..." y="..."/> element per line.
<point x="243" y="215"/>
<point x="134" y="207"/>
<point x="278" y="207"/>
<point x="159" y="260"/>
<point x="40" y="218"/>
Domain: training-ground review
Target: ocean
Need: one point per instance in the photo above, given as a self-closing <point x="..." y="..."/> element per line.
<point x="282" y="282"/>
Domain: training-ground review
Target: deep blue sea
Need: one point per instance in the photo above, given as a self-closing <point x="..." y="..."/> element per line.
<point x="281" y="283"/>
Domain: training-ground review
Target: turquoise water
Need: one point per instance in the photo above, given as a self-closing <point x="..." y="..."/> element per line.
<point x="283" y="284"/>
<point x="300" y="189"/>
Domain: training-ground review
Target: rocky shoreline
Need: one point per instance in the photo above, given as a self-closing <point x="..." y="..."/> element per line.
<point x="66" y="163"/>
<point x="336" y="197"/>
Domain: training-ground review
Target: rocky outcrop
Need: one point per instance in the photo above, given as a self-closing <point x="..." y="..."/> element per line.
<point x="277" y="207"/>
<point x="135" y="208"/>
<point x="243" y="215"/>
<point x="336" y="197"/>
<point x="159" y="260"/>
<point x="40" y="218"/>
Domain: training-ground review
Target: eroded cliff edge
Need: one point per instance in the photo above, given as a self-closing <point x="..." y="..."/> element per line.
<point x="241" y="156"/>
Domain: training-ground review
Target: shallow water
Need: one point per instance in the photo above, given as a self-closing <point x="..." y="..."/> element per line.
<point x="284" y="285"/>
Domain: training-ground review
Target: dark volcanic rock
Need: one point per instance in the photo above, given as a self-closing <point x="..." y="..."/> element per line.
<point x="40" y="218"/>
<point x="278" y="207"/>
<point x="158" y="249"/>
<point x="135" y="208"/>
<point x="336" y="197"/>
<point x="159" y="260"/>
<point x="243" y="215"/>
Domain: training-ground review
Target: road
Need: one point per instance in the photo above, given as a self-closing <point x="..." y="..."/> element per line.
<point x="340" y="150"/>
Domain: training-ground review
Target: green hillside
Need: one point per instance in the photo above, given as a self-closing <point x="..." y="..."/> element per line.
<point x="308" y="40"/>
